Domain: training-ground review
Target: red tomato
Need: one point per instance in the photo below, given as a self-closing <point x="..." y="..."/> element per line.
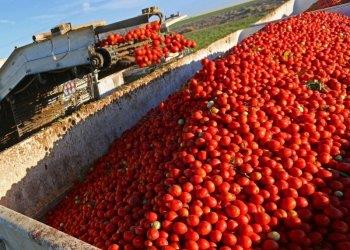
<point x="229" y="239"/>
<point x="204" y="228"/>
<point x="113" y="247"/>
<point x="193" y="220"/>
<point x="179" y="228"/>
<point x="152" y="234"/>
<point x="270" y="245"/>
<point x="232" y="211"/>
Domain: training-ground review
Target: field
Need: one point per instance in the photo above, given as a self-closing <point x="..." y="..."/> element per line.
<point x="209" y="27"/>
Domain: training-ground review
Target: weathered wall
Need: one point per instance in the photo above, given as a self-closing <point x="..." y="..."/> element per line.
<point x="18" y="232"/>
<point x="301" y="5"/>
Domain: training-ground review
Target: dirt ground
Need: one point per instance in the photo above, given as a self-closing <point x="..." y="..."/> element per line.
<point x="238" y="12"/>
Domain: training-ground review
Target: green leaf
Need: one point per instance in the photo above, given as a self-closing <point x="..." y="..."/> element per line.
<point x="344" y="174"/>
<point x="315" y="85"/>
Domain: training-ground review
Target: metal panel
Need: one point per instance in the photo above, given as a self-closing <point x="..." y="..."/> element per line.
<point x="123" y="24"/>
<point x="71" y="49"/>
<point x="73" y="58"/>
<point x="2" y="61"/>
<point x="341" y="9"/>
<point x="302" y="5"/>
<point x="110" y="83"/>
<point x="174" y="20"/>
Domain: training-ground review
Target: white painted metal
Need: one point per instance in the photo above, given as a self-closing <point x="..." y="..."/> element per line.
<point x="341" y="9"/>
<point x="59" y="52"/>
<point x="109" y="83"/>
<point x="2" y="61"/>
<point x="302" y="5"/>
<point x="174" y="20"/>
<point x="47" y="35"/>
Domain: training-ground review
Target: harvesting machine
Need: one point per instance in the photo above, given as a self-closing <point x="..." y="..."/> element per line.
<point x="61" y="69"/>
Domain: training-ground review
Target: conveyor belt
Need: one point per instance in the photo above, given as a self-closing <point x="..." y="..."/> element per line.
<point x="34" y="110"/>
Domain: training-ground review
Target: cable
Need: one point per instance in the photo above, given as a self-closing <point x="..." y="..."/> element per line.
<point x="53" y="53"/>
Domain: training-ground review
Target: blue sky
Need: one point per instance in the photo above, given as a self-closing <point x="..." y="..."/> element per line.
<point x="20" y="19"/>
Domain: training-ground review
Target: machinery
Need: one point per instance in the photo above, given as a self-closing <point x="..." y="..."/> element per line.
<point x="61" y="70"/>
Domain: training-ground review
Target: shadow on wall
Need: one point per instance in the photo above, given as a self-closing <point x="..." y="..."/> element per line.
<point x="76" y="151"/>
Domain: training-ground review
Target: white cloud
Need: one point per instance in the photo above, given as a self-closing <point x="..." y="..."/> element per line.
<point x="5" y="21"/>
<point x="86" y="6"/>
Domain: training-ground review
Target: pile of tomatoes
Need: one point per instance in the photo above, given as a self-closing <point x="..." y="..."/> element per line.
<point x="149" y="31"/>
<point x="161" y="47"/>
<point x="322" y="4"/>
<point x="175" y="42"/>
<point x="158" y="48"/>
<point x="253" y="153"/>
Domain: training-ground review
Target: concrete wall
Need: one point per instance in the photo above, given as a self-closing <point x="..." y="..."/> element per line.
<point x="301" y="5"/>
<point x="18" y="232"/>
<point x="39" y="170"/>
